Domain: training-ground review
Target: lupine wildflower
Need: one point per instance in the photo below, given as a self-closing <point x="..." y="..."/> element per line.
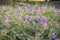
<point x="28" y="19"/>
<point x="43" y="20"/>
<point x="6" y="17"/>
<point x="45" y="25"/>
<point x="54" y="37"/>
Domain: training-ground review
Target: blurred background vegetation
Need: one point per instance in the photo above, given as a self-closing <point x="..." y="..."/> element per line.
<point x="14" y="1"/>
<point x="55" y="3"/>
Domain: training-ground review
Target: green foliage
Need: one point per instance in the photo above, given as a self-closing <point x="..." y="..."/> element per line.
<point x="18" y="28"/>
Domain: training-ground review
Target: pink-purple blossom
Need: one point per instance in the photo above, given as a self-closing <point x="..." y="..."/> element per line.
<point x="43" y="20"/>
<point x="6" y="17"/>
<point x="45" y="25"/>
<point x="54" y="37"/>
<point x="28" y="19"/>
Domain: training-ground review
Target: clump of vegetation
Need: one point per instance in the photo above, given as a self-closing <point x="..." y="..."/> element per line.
<point x="29" y="22"/>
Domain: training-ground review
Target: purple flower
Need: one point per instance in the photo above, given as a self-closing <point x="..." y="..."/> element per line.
<point x="43" y="20"/>
<point x="28" y="19"/>
<point x="54" y="37"/>
<point x="45" y="25"/>
<point x="6" y="17"/>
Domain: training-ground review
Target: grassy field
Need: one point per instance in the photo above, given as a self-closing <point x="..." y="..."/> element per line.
<point x="37" y="21"/>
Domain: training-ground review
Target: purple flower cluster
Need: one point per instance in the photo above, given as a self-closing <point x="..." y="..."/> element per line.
<point x="44" y="23"/>
<point x="54" y="37"/>
<point x="28" y="19"/>
<point x="6" y="17"/>
<point x="43" y="20"/>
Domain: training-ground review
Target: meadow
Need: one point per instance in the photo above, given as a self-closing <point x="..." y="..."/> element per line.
<point x="29" y="22"/>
